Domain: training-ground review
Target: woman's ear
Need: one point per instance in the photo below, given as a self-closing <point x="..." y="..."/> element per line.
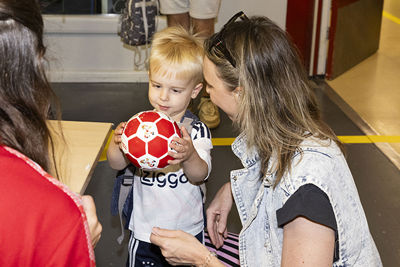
<point x="238" y="91"/>
<point x="197" y="90"/>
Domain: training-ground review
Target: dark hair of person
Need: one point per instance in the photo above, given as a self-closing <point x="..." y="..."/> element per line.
<point x="277" y="106"/>
<point x="26" y="98"/>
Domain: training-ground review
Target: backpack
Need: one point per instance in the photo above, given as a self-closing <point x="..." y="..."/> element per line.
<point x="138" y="22"/>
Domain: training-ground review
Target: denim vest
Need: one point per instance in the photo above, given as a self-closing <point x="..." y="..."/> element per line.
<point x="260" y="240"/>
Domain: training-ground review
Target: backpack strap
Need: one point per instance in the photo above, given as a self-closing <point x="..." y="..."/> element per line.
<point x="188" y="120"/>
<point x="122" y="189"/>
<point x="142" y="5"/>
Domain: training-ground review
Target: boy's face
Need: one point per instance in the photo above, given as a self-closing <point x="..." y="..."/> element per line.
<point x="172" y="96"/>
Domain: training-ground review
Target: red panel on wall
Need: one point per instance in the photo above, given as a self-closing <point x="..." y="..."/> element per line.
<point x="299" y="25"/>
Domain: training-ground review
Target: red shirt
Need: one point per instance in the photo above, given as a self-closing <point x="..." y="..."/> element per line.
<point x="42" y="223"/>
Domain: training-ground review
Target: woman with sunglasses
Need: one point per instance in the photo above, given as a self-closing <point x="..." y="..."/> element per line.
<point x="296" y="197"/>
<point x="42" y="222"/>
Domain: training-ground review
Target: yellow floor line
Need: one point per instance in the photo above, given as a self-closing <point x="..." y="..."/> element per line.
<point x="384" y="139"/>
<point x="222" y="141"/>
<point x="391" y="17"/>
<point x="347" y="139"/>
<point x="370" y="139"/>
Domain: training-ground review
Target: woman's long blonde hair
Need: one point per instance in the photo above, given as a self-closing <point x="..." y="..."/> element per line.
<point x="277" y="107"/>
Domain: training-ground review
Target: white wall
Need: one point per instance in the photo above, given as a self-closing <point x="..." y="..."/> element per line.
<point x="273" y="9"/>
<point x="88" y="49"/>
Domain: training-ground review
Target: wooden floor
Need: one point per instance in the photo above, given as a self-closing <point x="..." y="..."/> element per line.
<point x="372" y="88"/>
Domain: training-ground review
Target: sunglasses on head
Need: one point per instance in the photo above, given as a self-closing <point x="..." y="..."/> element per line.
<point x="218" y="40"/>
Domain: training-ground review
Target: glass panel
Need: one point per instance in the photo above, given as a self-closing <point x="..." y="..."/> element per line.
<point x="115" y="6"/>
<point x="70" y="7"/>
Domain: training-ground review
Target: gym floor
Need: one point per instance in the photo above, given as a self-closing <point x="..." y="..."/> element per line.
<point x="377" y="178"/>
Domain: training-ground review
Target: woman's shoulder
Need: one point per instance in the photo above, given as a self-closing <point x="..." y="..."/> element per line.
<point x="316" y="146"/>
<point x="317" y="161"/>
<point x="316" y="155"/>
<point x="20" y="176"/>
<point x="43" y="210"/>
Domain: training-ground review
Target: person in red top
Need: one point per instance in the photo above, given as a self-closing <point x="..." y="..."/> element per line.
<point x="42" y="222"/>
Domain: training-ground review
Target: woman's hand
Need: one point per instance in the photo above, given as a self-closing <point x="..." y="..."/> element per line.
<point x="178" y="247"/>
<point x="217" y="215"/>
<point x="93" y="222"/>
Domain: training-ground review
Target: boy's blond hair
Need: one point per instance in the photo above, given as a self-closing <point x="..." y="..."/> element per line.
<point x="177" y="54"/>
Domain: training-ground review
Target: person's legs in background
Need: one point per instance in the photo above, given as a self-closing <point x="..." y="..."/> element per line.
<point x="205" y="27"/>
<point x="199" y="14"/>
<point x="182" y="19"/>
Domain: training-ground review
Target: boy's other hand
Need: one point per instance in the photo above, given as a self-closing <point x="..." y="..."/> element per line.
<point x="118" y="132"/>
<point x="183" y="147"/>
<point x="115" y="155"/>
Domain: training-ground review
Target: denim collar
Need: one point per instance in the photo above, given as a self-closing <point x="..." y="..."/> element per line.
<point x="248" y="156"/>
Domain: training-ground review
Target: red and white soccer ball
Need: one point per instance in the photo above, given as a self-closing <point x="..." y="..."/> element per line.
<point x="146" y="138"/>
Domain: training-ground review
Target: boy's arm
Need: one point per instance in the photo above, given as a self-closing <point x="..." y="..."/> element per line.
<point x="195" y="168"/>
<point x="115" y="156"/>
<point x="195" y="159"/>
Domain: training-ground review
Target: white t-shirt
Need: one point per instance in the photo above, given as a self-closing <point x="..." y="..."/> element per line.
<point x="165" y="198"/>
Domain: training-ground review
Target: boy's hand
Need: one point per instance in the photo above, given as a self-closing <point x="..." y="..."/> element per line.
<point x="118" y="132"/>
<point x="115" y="155"/>
<point x="183" y="147"/>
